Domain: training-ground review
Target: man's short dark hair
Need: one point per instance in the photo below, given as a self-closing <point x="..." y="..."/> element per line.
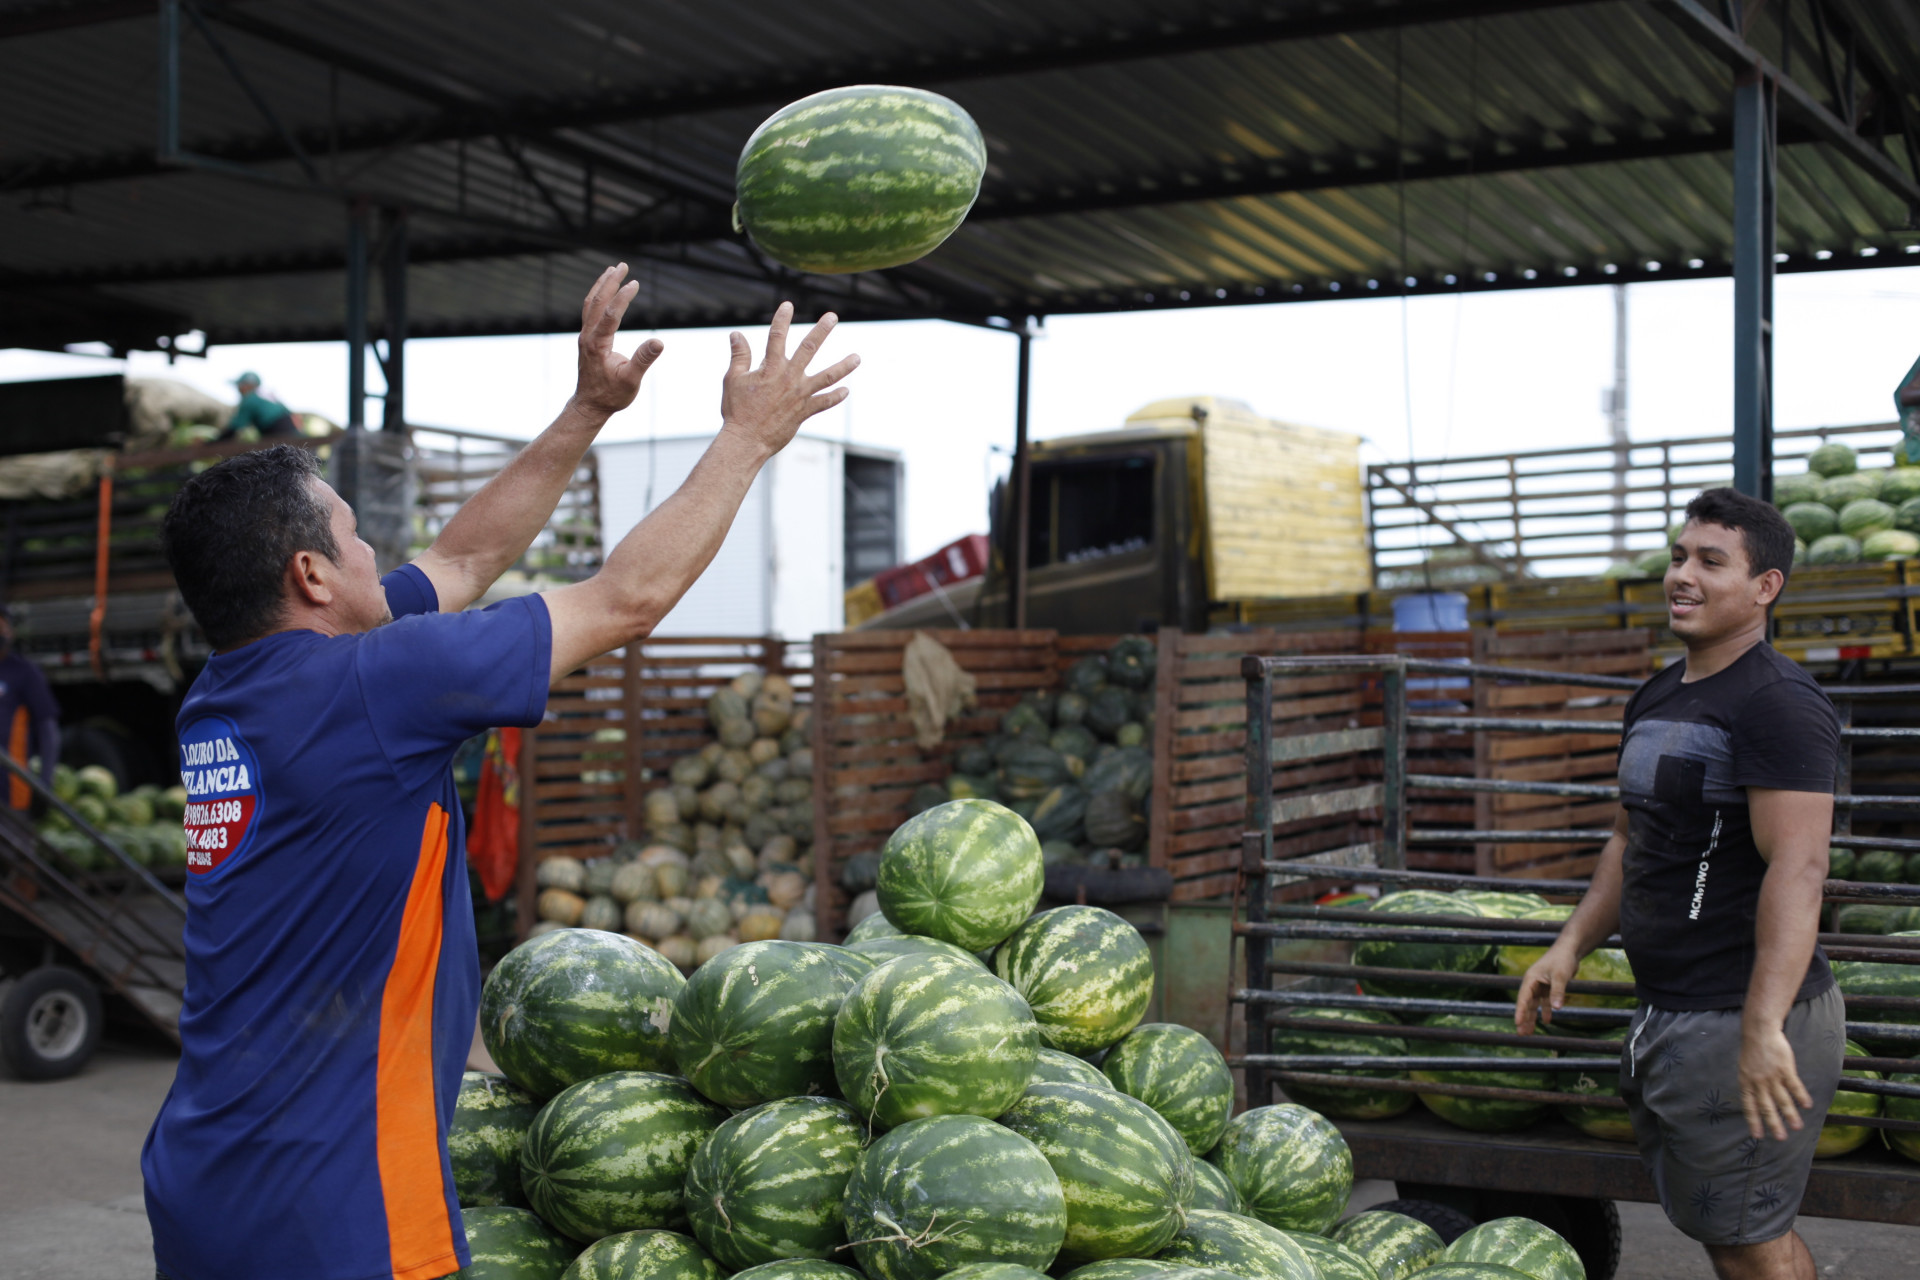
<point x="1768" y="537"/>
<point x="231" y="531"/>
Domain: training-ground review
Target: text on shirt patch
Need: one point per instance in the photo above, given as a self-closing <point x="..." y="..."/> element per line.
<point x="222" y="780"/>
<point x="1700" y="880"/>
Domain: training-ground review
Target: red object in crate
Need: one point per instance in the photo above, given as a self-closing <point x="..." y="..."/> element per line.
<point x="956" y="562"/>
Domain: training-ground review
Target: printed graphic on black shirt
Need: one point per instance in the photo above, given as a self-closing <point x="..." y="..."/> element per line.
<point x="1692" y="870"/>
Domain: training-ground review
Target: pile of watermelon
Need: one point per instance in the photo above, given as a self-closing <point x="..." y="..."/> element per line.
<point x="144" y="823"/>
<point x="728" y="856"/>
<point x="965" y="1087"/>
<point x="1076" y="762"/>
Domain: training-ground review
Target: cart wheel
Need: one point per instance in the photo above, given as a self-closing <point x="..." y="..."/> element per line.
<point x="49" y="1024"/>
<point x="1450" y="1223"/>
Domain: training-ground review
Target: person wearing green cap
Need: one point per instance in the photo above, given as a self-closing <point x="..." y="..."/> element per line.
<point x="269" y="417"/>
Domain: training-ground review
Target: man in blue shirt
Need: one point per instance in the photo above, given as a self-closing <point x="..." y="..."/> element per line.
<point x="29" y="716"/>
<point x="332" y="976"/>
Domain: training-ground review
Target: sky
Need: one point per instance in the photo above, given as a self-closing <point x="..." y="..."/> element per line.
<point x="1426" y="377"/>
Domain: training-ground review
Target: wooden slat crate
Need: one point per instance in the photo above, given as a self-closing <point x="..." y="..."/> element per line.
<point x="866" y="761"/>
<point x="1564" y="757"/>
<point x="581" y="796"/>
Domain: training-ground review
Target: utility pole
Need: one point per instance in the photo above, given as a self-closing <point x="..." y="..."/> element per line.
<point x="1616" y="406"/>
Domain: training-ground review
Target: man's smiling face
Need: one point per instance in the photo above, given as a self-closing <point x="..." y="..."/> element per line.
<point x="1711" y="588"/>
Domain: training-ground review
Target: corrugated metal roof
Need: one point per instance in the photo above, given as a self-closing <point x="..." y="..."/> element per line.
<point x="1233" y="151"/>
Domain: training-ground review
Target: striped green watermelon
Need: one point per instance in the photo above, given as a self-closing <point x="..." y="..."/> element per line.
<point x="874" y="926"/>
<point x="925" y="1036"/>
<point x="1606" y="964"/>
<point x="1126" y="1175"/>
<point x="1435" y="957"/>
<point x="490" y="1117"/>
<point x="767" y="1185"/>
<point x="800" y="1269"/>
<point x="507" y="1243"/>
<point x="644" y="1255"/>
<point x="852" y="963"/>
<point x="1531" y="1248"/>
<point x="1213" y="1190"/>
<point x="1176" y="1071"/>
<point x="1128" y="1269"/>
<point x="1874" y="978"/>
<point x="1289" y="1164"/>
<point x="1840" y="1139"/>
<point x="1085" y="972"/>
<point x="1606" y="1123"/>
<point x="859" y="178"/>
<point x="995" y="1271"/>
<point x="1051" y="1065"/>
<point x="1471" y="1271"/>
<point x="1904" y="1141"/>
<point x="1340" y="1102"/>
<point x="966" y="872"/>
<point x="937" y="1194"/>
<point x="1393" y="1244"/>
<point x="881" y="950"/>
<point x="1335" y="1261"/>
<point x="1245" y="1247"/>
<point x="755" y="1023"/>
<point x="577" y="1003"/>
<point x="1505" y="904"/>
<point x="1483" y="1115"/>
<point x="611" y="1153"/>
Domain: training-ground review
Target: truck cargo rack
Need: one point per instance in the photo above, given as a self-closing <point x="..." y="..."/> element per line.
<point x="1298" y="955"/>
<point x="123" y="924"/>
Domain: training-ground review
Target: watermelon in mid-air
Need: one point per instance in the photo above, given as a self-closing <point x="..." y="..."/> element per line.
<point x="859" y="178"/>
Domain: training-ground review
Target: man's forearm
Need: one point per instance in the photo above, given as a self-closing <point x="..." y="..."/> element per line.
<point x="495" y="527"/>
<point x="1786" y="927"/>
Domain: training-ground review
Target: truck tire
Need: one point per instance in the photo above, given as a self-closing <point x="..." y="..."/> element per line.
<point x="49" y="1024"/>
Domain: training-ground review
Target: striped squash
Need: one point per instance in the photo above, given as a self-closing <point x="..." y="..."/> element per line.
<point x="508" y="1243"/>
<point x="577" y="1003"/>
<point x="1340" y="1102"/>
<point x="1085" y="972"/>
<point x="995" y="1271"/>
<point x="1212" y="1190"/>
<point x="800" y="1269"/>
<point x="1128" y="1269"/>
<point x="490" y="1117"/>
<point x="937" y="1194"/>
<point x="881" y="950"/>
<point x="859" y="178"/>
<point x="1472" y="1271"/>
<point x="1335" y="1261"/>
<point x="1053" y="1066"/>
<point x="926" y="1036"/>
<point x="611" y="1153"/>
<point x="1245" y="1247"/>
<point x="1176" y="1071"/>
<point x="1393" y="1244"/>
<point x="1126" y="1175"/>
<point x="874" y="926"/>
<point x="755" y="1023"/>
<point x="966" y="872"/>
<point x="1483" y="1115"/>
<point x="852" y="963"/>
<point x="1531" y="1248"/>
<point x="768" y="1184"/>
<point x="1439" y="958"/>
<point x="1289" y="1164"/>
<point x="644" y="1255"/>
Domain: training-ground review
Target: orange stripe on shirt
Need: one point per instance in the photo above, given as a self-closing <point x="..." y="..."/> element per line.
<point x="419" y="1231"/>
<point x="18" y="793"/>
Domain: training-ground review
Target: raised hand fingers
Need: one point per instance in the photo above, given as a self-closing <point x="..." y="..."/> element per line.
<point x="595" y="301"/>
<point x="777" y="332"/>
<point x="740" y="357"/>
<point x="821" y="403"/>
<point x="816" y="336"/>
<point x="832" y="374"/>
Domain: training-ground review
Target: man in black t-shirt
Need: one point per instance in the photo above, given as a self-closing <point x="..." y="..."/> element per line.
<point x="1713" y="878"/>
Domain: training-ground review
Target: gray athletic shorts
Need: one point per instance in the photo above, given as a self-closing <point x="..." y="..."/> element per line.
<point x="1680" y="1076"/>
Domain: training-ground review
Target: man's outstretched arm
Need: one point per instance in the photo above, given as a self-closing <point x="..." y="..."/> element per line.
<point x="495" y="527"/>
<point x="653" y="566"/>
<point x="1543" y="988"/>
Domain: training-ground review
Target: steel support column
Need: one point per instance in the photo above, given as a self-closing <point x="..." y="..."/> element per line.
<point x="357" y="317"/>
<point x="393" y="293"/>
<point x="1754" y="184"/>
<point x="1022" y="484"/>
<point x="168" y="144"/>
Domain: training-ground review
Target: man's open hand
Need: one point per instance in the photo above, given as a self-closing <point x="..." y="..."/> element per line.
<point x="1543" y="989"/>
<point x="608" y="380"/>
<point x="1771" y="1093"/>
<point x="768" y="404"/>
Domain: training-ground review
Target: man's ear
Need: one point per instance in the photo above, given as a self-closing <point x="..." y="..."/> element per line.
<point x="1772" y="583"/>
<point x="308" y="579"/>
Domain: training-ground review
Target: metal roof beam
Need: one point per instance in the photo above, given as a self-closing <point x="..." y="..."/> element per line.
<point x="541" y="116"/>
<point x="1728" y="45"/>
<point x="64" y="17"/>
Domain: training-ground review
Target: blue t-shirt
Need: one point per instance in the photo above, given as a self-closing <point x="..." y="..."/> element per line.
<point x="332" y="975"/>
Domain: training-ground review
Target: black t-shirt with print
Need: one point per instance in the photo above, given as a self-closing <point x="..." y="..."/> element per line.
<point x="1693" y="875"/>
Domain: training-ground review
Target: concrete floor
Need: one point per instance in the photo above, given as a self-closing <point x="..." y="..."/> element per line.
<point x="71" y="1209"/>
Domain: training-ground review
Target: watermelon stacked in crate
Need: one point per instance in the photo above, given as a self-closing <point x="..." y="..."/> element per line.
<point x="970" y="1090"/>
